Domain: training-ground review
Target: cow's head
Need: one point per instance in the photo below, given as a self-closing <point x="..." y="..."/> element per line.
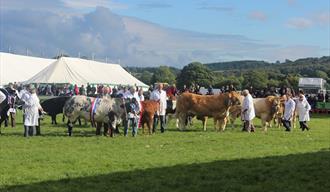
<point x="233" y="98"/>
<point x="275" y="103"/>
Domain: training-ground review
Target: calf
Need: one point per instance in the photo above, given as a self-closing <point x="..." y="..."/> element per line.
<point x="149" y="108"/>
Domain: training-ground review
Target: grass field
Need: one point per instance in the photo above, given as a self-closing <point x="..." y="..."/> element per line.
<point x="192" y="160"/>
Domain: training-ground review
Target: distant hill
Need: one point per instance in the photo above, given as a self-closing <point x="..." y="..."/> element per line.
<point x="235" y="65"/>
<point x="259" y="65"/>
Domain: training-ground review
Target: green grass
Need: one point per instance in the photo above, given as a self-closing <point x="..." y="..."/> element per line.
<point x="192" y="160"/>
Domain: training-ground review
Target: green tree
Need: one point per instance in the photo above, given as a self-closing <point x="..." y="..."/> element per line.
<point x="293" y="81"/>
<point x="195" y="73"/>
<point x="146" y="77"/>
<point x="256" y="79"/>
<point x="321" y="74"/>
<point x="163" y="74"/>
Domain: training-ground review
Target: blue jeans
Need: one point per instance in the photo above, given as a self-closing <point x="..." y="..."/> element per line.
<point x="131" y="122"/>
<point x="162" y="123"/>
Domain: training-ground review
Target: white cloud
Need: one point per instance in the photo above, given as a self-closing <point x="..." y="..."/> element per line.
<point x="83" y="4"/>
<point x="291" y="2"/>
<point x="154" y="5"/>
<point x="258" y="15"/>
<point x="299" y="23"/>
<point x="133" y="41"/>
<point x="217" y="8"/>
<point x="322" y="18"/>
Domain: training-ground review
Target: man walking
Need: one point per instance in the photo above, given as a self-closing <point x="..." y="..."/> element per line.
<point x="289" y="108"/>
<point x="248" y="112"/>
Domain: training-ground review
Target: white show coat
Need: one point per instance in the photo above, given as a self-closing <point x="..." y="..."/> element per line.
<point x="31" y="111"/>
<point x="289" y="108"/>
<point x="161" y="97"/>
<point x="248" y="105"/>
<point x="303" y="109"/>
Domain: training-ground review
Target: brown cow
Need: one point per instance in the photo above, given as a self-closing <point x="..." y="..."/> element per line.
<point x="216" y="106"/>
<point x="278" y="117"/>
<point x="149" y="108"/>
<point x="266" y="109"/>
<point x="234" y="113"/>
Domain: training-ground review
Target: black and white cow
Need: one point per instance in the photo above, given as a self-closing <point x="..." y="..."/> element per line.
<point x="109" y="111"/>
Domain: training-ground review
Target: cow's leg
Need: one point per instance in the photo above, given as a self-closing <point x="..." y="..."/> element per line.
<point x="105" y="129"/>
<point x="223" y="123"/>
<point x="112" y="127"/>
<point x="294" y="120"/>
<point x="204" y="120"/>
<point x="98" y="128"/>
<point x="264" y="125"/>
<point x="150" y="124"/>
<point x="13" y="119"/>
<point x="112" y="123"/>
<point x="182" y="121"/>
<point x="70" y="126"/>
<point x="117" y="129"/>
<point x="1" y="120"/>
<point x="232" y="120"/>
<point x="6" y="121"/>
<point x="177" y="123"/>
<point x="79" y="121"/>
<point x="53" y="119"/>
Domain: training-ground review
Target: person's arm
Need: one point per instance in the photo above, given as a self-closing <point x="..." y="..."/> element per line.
<point x="308" y="106"/>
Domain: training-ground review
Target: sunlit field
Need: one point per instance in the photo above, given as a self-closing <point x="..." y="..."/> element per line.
<point x="191" y="160"/>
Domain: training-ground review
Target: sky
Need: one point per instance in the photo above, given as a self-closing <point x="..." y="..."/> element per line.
<point x="172" y="32"/>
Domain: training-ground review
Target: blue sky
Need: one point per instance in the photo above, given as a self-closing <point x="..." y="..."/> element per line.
<point x="281" y="21"/>
<point x="227" y="30"/>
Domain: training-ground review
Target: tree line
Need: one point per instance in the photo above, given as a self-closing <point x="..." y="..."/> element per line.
<point x="242" y="74"/>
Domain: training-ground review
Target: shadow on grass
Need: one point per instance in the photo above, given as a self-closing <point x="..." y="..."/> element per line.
<point x="299" y="172"/>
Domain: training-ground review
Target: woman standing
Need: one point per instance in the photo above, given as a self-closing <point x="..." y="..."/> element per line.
<point x="303" y="108"/>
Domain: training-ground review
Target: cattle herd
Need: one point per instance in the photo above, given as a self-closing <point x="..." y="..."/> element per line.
<point x="111" y="112"/>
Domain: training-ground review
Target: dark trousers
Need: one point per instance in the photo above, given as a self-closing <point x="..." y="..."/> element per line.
<point x="162" y="123"/>
<point x="13" y="119"/>
<point x="29" y="131"/>
<point x="248" y="126"/>
<point x="287" y="125"/>
<point x="303" y="125"/>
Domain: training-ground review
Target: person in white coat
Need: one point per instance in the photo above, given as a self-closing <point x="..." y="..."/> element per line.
<point x="303" y="108"/>
<point x="159" y="95"/>
<point x="31" y="111"/>
<point x="289" y="108"/>
<point x="248" y="112"/>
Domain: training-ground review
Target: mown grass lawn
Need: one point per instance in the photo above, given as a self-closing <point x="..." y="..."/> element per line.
<point x="192" y="160"/>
